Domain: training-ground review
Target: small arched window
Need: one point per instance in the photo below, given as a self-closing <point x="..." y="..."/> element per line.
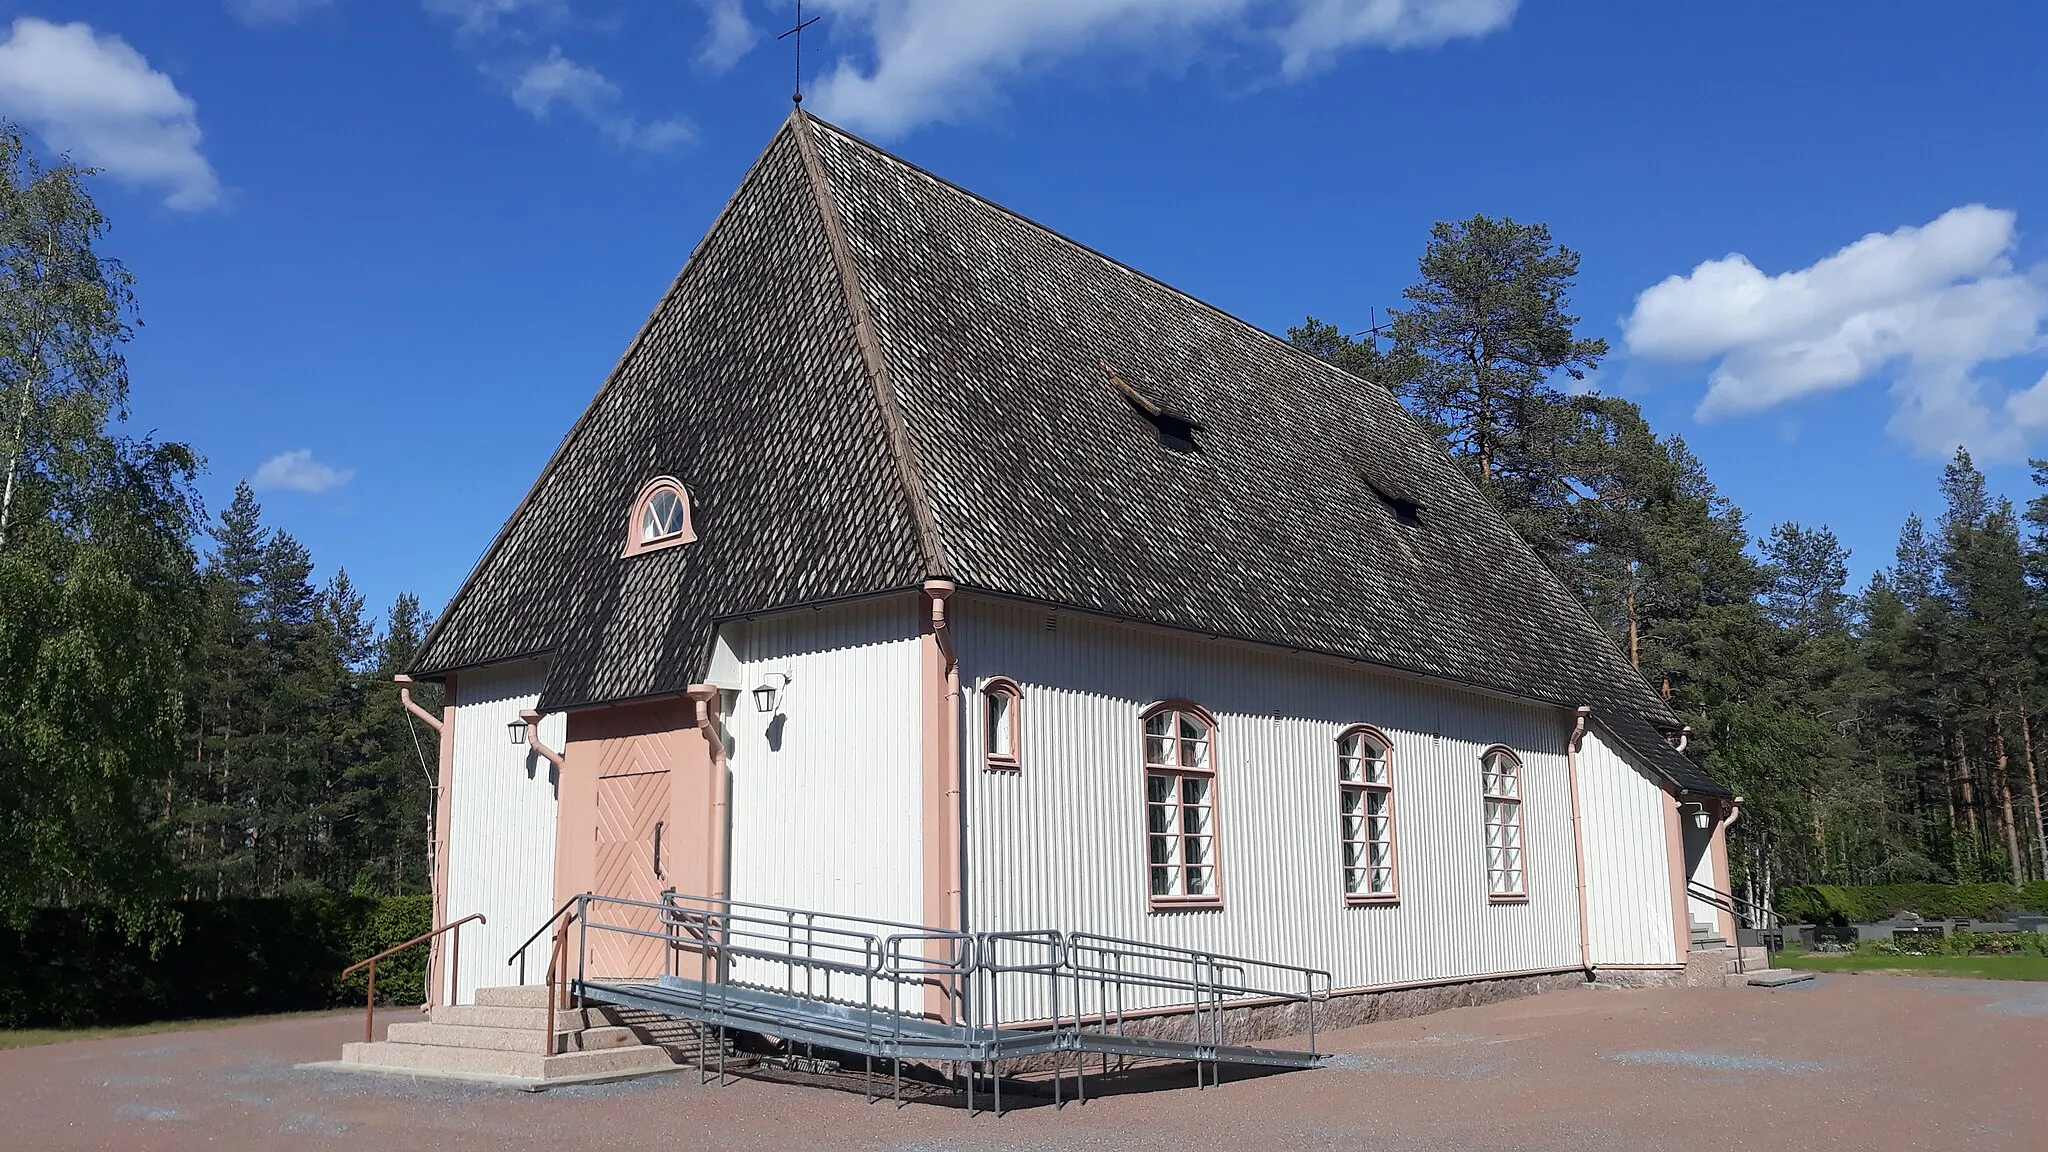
<point x="660" y="517"/>
<point x="1501" y="784"/>
<point x="1365" y="814"/>
<point x="1002" y="730"/>
<point x="1180" y="807"/>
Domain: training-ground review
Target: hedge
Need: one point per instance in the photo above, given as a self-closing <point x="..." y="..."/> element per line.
<point x="72" y="967"/>
<point x="1843" y="904"/>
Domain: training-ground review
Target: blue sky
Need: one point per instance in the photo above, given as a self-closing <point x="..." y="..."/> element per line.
<point x="387" y="249"/>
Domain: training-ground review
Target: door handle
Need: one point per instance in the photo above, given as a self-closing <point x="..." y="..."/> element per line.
<point x="658" y="825"/>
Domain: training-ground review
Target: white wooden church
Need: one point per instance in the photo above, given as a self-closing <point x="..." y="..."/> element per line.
<point x="918" y="563"/>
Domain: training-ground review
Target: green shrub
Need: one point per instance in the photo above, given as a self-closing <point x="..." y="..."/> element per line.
<point x="73" y="967"/>
<point x="1840" y="904"/>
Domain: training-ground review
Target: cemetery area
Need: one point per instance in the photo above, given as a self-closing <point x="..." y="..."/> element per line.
<point x="1985" y="931"/>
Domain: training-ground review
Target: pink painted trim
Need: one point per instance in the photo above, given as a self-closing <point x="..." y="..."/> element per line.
<point x="634" y="545"/>
<point x="1182" y="903"/>
<point x="1392" y="896"/>
<point x="1674" y="851"/>
<point x="993" y="761"/>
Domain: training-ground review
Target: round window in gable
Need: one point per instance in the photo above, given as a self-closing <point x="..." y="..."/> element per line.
<point x="660" y="518"/>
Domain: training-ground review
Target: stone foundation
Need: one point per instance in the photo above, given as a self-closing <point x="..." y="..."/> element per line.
<point x="1253" y="1025"/>
<point x="1638" y="977"/>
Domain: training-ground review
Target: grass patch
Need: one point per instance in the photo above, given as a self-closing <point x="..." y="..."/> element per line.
<point x="2019" y="967"/>
<point x="32" y="1037"/>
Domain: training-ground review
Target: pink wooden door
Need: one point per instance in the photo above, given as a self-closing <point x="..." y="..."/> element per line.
<point x="632" y="811"/>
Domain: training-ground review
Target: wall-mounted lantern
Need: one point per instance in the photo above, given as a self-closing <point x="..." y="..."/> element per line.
<point x="517" y="731"/>
<point x="1701" y="819"/>
<point x="768" y="695"/>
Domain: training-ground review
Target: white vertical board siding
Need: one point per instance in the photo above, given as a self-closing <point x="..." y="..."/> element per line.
<point x="501" y="825"/>
<point x="1060" y="843"/>
<point x="827" y="797"/>
<point x="1628" y="864"/>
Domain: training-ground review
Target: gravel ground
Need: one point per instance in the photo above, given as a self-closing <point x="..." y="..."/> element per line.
<point x="1867" y="1061"/>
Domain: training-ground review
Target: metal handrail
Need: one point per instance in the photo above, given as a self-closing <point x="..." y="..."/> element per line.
<point x="1762" y="917"/>
<point x="370" y="1000"/>
<point x="519" y="953"/>
<point x="842" y="960"/>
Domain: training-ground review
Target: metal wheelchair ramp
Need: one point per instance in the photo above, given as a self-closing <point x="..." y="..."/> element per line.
<point x="891" y="992"/>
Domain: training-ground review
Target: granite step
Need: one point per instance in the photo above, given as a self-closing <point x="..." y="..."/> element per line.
<point x="431" y="1059"/>
<point x="511" y="1039"/>
<point x="532" y="1019"/>
<point x="514" y="996"/>
<point x="1778" y="977"/>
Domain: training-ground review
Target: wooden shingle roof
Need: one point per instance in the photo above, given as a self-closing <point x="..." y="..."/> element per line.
<point x="867" y="376"/>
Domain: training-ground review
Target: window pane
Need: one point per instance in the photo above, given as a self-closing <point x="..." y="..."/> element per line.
<point x="664" y="517"/>
<point x="999" y="723"/>
<point x="1159" y="724"/>
<point x="1162" y="849"/>
<point x="1376" y="770"/>
<point x="1381" y="856"/>
<point x="1354" y="855"/>
<point x="1165" y="881"/>
<point x="1380" y="828"/>
<point x="1354" y="880"/>
<point x="1382" y="880"/>
<point x="1159" y="819"/>
<point x="1198" y="850"/>
<point x="1348" y="770"/>
<point x="1195" y="821"/>
<point x="1194" y="789"/>
<point x="1158" y="751"/>
<point x="1351" y="802"/>
<point x="1347" y="746"/>
<point x="1191" y="728"/>
<point x="1354" y="828"/>
<point x="1159" y="788"/>
<point x="1194" y="753"/>
<point x="1201" y="881"/>
<point x="1376" y="803"/>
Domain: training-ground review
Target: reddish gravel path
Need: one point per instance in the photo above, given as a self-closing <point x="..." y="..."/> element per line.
<point x="1877" y="1062"/>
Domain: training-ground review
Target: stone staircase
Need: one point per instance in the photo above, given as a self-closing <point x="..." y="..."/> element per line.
<point x="503" y="1038"/>
<point x="1714" y="963"/>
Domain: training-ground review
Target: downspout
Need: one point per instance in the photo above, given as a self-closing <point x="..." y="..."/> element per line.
<point x="1571" y="766"/>
<point x="705" y="698"/>
<point x="948" y="737"/>
<point x="441" y="799"/>
<point x="532" y="719"/>
<point x="1684" y="736"/>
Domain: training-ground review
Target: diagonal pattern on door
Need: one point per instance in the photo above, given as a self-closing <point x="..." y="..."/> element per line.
<point x="631" y="809"/>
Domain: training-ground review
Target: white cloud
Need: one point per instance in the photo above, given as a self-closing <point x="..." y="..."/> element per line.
<point x="484" y="19"/>
<point x="731" y="36"/>
<point x="261" y="12"/>
<point x="560" y="81"/>
<point x="96" y="98"/>
<point x="499" y="32"/>
<point x="938" y="60"/>
<point x="297" y="471"/>
<point x="1930" y="304"/>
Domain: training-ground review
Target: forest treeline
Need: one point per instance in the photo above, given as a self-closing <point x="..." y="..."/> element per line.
<point x="185" y="712"/>
<point x="1881" y="734"/>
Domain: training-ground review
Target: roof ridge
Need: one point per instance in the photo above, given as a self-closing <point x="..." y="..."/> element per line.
<point x="611" y="379"/>
<point x="867" y="336"/>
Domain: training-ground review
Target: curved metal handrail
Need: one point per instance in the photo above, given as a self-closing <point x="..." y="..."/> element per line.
<point x="454" y="966"/>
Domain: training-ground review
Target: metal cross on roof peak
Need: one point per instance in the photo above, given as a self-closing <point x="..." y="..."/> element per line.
<point x="797" y="96"/>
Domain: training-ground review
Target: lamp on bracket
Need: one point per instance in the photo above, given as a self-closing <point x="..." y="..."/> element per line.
<point x="768" y="694"/>
<point x="1701" y="818"/>
<point x="516" y="730"/>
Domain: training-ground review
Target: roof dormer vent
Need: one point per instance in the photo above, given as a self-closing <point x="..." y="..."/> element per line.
<point x="1176" y="429"/>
